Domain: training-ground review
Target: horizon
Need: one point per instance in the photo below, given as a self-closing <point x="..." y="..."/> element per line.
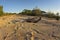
<point x="16" y="6"/>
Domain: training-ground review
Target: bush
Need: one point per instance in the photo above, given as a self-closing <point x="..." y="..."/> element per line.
<point x="1" y="13"/>
<point x="57" y="16"/>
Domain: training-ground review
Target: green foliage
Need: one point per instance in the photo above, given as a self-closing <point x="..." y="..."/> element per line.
<point x="1" y="10"/>
<point x="1" y="13"/>
<point x="36" y="12"/>
<point x="9" y="13"/>
<point x="26" y="12"/>
<point x="57" y="16"/>
<point x="50" y="15"/>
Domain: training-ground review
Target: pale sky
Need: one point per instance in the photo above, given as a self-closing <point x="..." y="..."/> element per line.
<point x="19" y="5"/>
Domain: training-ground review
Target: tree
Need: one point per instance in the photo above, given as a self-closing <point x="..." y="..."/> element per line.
<point x="36" y="11"/>
<point x="1" y="10"/>
<point x="50" y="15"/>
<point x="57" y="16"/>
<point x="26" y="12"/>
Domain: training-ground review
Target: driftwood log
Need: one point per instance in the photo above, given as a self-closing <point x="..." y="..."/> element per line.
<point x="34" y="20"/>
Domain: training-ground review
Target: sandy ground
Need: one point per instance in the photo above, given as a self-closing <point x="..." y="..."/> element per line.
<point x="45" y="29"/>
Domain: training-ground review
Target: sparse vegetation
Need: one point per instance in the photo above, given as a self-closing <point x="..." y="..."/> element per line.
<point x="35" y="12"/>
<point x="38" y="12"/>
<point x="12" y="28"/>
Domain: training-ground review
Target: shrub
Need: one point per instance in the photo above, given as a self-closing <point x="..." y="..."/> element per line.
<point x="1" y="13"/>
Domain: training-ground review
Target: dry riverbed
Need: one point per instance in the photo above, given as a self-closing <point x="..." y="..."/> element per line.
<point x="11" y="28"/>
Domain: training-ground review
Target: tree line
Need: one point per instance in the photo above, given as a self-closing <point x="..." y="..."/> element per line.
<point x="35" y="12"/>
<point x="38" y="12"/>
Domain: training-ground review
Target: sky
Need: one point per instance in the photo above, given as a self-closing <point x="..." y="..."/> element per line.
<point x="18" y="5"/>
